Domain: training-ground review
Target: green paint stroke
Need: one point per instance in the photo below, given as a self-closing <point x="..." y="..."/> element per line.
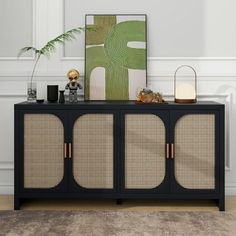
<point x="116" y="77"/>
<point x="116" y="44"/>
<point x="102" y="24"/>
<point x="117" y="83"/>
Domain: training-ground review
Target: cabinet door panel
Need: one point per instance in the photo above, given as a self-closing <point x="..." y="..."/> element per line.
<point x="194" y="163"/>
<point x="145" y="141"/>
<point x="43" y="151"/>
<point x="93" y="151"/>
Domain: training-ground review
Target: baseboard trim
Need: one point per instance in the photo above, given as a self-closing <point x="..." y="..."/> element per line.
<point x="6" y="189"/>
<point x="230" y="189"/>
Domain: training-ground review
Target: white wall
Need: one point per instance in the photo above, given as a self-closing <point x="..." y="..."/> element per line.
<point x="200" y="33"/>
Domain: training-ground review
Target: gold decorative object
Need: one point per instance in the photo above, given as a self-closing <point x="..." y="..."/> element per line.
<point x="148" y="96"/>
<point x="73" y="75"/>
<point x="73" y="85"/>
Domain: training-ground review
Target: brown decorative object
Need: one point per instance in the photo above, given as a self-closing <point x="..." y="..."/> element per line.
<point x="148" y="96"/>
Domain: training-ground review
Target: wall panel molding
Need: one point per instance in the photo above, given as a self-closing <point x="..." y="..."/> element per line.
<point x="33" y="38"/>
<point x="12" y="95"/>
<point x="6" y="165"/>
<point x="63" y="58"/>
<point x="17" y="58"/>
<point x="161" y="75"/>
<point x="192" y="58"/>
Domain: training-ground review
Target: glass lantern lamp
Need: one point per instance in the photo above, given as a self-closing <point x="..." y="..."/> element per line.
<point x="185" y="92"/>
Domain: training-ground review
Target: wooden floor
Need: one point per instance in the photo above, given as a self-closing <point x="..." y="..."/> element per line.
<point x="6" y="203"/>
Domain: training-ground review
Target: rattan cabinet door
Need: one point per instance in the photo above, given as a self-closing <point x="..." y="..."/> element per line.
<point x="93" y="151"/>
<point x="194" y="159"/>
<point x="43" y="151"/>
<point x="144" y="157"/>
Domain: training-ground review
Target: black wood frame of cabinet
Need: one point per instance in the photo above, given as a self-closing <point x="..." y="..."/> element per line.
<point x="168" y="189"/>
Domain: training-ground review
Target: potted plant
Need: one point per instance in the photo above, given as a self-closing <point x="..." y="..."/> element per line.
<point x="46" y="50"/>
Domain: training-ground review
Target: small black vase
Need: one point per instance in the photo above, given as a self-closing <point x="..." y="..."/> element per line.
<point x="62" y="96"/>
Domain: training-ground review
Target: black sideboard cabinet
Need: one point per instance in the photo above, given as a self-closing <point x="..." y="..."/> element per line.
<point x="119" y="150"/>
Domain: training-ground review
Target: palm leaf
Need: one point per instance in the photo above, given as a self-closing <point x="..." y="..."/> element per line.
<point x="50" y="46"/>
<point x="61" y="39"/>
<point x="26" y="49"/>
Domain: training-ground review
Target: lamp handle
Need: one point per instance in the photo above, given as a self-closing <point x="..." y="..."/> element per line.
<point x="195" y="74"/>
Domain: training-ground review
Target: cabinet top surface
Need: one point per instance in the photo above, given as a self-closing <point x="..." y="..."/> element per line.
<point x="116" y="104"/>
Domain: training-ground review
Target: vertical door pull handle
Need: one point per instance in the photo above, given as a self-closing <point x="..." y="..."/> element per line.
<point x="65" y="150"/>
<point x="167" y="151"/>
<point x="172" y="151"/>
<point x="70" y="156"/>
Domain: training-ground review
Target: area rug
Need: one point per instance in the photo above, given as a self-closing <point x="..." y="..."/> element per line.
<point x="120" y="223"/>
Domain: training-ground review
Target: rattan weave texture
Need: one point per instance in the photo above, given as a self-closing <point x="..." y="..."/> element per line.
<point x="144" y="151"/>
<point x="43" y="151"/>
<point x="195" y="151"/>
<point x="93" y="151"/>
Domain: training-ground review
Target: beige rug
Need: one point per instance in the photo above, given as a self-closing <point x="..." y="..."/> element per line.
<point x="106" y="223"/>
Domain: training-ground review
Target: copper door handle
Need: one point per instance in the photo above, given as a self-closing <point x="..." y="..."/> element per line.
<point x="65" y="150"/>
<point x="70" y="150"/>
<point x="172" y="151"/>
<point x="167" y="151"/>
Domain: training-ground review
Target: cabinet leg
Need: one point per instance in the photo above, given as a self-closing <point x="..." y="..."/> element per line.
<point x="17" y="203"/>
<point x="221" y="204"/>
<point x="118" y="201"/>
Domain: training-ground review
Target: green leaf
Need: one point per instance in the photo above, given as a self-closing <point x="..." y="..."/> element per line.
<point x="61" y="39"/>
<point x="50" y="46"/>
<point x="26" y="49"/>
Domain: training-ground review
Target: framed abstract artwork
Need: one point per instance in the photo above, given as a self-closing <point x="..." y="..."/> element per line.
<point x="115" y="56"/>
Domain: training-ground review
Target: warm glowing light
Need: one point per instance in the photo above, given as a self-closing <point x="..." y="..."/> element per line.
<point x="185" y="91"/>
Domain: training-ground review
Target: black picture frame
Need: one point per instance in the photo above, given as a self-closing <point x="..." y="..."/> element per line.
<point x="86" y="95"/>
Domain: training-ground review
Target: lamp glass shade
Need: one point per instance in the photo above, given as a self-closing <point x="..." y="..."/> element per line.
<point x="185" y="91"/>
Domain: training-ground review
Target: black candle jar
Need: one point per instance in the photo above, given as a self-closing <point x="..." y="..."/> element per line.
<point x="52" y="93"/>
